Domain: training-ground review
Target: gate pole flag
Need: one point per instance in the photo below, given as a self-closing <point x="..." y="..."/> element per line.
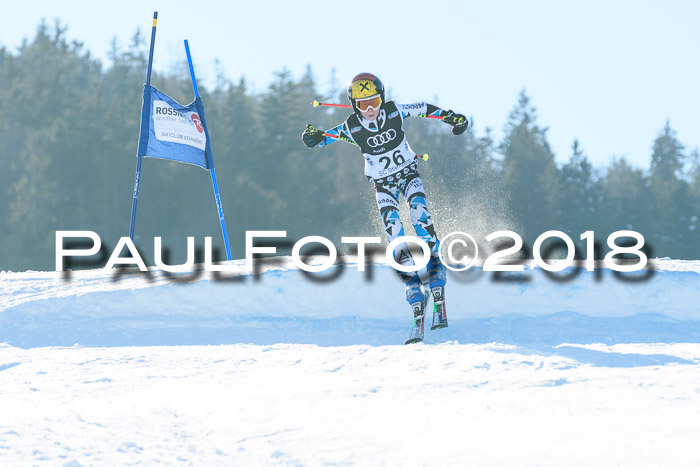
<point x="208" y="152"/>
<point x="145" y="111"/>
<point x="174" y="132"/>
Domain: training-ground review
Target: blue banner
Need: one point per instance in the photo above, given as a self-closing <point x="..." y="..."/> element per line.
<point x="173" y="131"/>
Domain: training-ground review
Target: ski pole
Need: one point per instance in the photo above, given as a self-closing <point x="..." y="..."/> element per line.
<point x="348" y="140"/>
<point x="342" y="138"/>
<point x="316" y="103"/>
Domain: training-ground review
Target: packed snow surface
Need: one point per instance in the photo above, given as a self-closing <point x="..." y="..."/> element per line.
<point x="279" y="368"/>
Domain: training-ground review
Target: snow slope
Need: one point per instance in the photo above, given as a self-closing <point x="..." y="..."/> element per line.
<point x="280" y="369"/>
<point x="293" y="404"/>
<point x="344" y="306"/>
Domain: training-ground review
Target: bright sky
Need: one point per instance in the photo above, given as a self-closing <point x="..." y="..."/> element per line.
<point x="607" y="73"/>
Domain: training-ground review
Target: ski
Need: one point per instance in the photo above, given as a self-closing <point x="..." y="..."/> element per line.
<point x="418" y="323"/>
<point x="439" y="309"/>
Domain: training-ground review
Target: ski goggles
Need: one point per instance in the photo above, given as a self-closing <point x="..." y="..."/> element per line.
<point x="370" y="102"/>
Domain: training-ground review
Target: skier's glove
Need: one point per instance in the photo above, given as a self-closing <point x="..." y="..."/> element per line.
<point x="458" y="121"/>
<point x="312" y="137"/>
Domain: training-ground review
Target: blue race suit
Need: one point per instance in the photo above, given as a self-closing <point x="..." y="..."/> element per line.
<point x="391" y="165"/>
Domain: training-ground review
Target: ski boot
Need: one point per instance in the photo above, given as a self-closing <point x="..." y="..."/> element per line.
<point x="416" y="298"/>
<point x="438" y="277"/>
<point x="437" y="272"/>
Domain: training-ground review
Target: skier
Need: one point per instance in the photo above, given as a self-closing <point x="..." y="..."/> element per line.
<point x="376" y="126"/>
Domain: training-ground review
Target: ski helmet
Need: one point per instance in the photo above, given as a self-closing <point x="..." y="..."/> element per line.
<point x="364" y="86"/>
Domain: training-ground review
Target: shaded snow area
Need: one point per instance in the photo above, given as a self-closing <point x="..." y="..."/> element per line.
<point x="280" y="368"/>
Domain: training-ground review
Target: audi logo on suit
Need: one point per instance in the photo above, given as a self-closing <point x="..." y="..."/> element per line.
<point x="380" y="139"/>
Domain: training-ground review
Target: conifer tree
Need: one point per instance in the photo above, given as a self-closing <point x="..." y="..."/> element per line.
<point x="529" y="171"/>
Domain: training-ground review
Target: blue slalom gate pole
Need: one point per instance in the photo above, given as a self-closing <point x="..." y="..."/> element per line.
<point x="210" y="159"/>
<point x="189" y="62"/>
<point x="221" y="213"/>
<point x="145" y="115"/>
